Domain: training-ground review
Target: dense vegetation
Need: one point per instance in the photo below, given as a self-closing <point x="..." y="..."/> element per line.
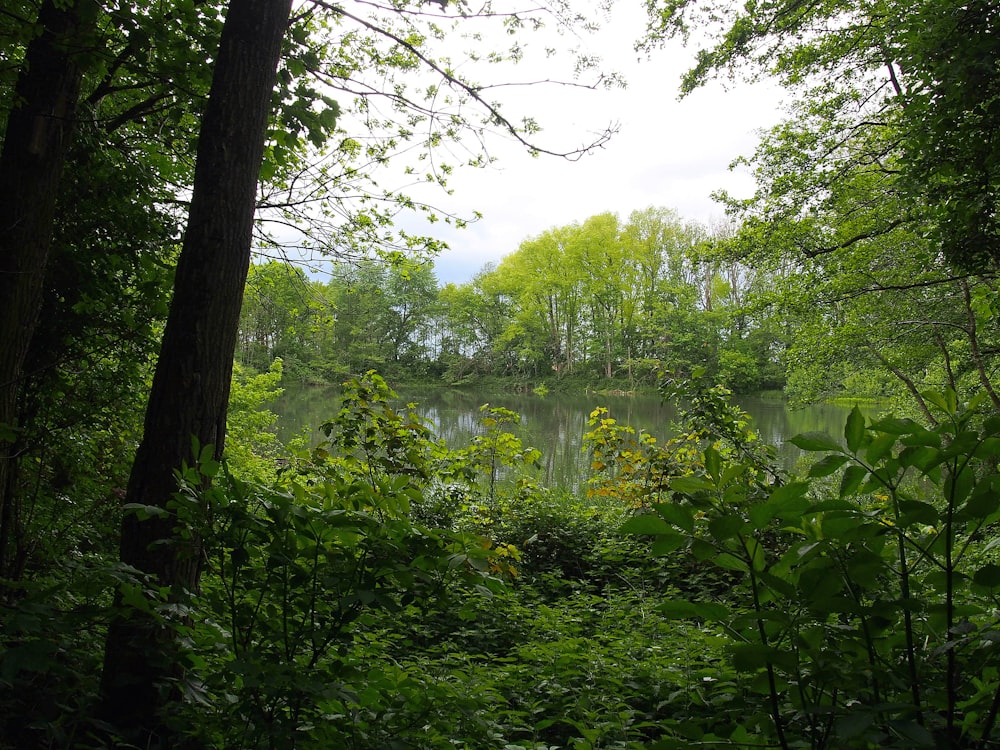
<point x="606" y="303"/>
<point x="600" y="301"/>
<point x="172" y="576"/>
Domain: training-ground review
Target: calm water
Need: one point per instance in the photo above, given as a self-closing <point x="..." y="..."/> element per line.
<point x="555" y="424"/>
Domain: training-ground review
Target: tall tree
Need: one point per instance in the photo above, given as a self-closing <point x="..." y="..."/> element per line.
<point x="191" y="384"/>
<point x="188" y="400"/>
<point x="105" y="285"/>
<point x="36" y="141"/>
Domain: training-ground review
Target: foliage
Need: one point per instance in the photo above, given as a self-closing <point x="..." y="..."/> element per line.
<point x="385" y="590"/>
<point x="253" y="451"/>
<point x="362" y="597"/>
<point x="865" y="611"/>
<point x="50" y="651"/>
<point x="600" y="300"/>
<point x="875" y="211"/>
<point x="896" y="101"/>
<point x="639" y="471"/>
<point x="296" y="574"/>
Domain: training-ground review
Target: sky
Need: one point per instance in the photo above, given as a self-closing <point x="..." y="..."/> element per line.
<point x="668" y="152"/>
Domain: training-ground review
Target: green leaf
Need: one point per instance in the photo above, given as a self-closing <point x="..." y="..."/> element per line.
<point x="328" y="118"/>
<point x="667" y="544"/>
<point x="947" y="401"/>
<point x="788" y="500"/>
<point x="922" y="437"/>
<point x="815" y="441"/>
<point x="988" y="576"/>
<point x="957" y="488"/>
<point x="713" y="463"/>
<point x="144" y="512"/>
<point x="731" y="562"/>
<point x="647" y="523"/>
<point x="690" y="485"/>
<point x="827" y="465"/>
<point x="865" y="567"/>
<point x="854" y="475"/>
<point x="702" y="550"/>
<point x="749" y="657"/>
<point x="676" y="609"/>
<point x="914" y="511"/>
<point x="854" y="430"/>
<point x="726" y="527"/>
<point x="983" y="503"/>
<point x="989" y="448"/>
<point x="133" y="596"/>
<point x="780" y="585"/>
<point x="680" y="516"/>
<point x="923" y="457"/>
<point x="788" y="496"/>
<point x="880" y="446"/>
<point x="896" y="426"/>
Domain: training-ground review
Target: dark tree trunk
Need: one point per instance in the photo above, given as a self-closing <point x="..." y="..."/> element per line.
<point x="191" y="384"/>
<point x="37" y="139"/>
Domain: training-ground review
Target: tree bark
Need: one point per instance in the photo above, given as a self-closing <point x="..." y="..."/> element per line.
<point x="190" y="388"/>
<point x="36" y="142"/>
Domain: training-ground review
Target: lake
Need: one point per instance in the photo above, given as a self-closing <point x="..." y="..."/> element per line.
<point x="555" y="423"/>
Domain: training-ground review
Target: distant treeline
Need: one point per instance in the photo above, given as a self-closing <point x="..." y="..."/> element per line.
<point x="613" y="301"/>
<point x="605" y="299"/>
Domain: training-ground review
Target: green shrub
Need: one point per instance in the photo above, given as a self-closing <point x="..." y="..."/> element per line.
<point x="866" y="609"/>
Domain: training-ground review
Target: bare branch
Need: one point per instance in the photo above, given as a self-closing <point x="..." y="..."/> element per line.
<point x="495" y="115"/>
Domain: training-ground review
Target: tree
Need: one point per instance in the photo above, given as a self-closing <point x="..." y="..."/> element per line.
<point x="185" y="417"/>
<point x="542" y="277"/>
<point x="36" y="142"/>
<point x="951" y="147"/>
<point x="475" y="318"/>
<point x="608" y="279"/>
<point x="103" y="290"/>
<point x="881" y="182"/>
<point x="902" y="93"/>
<point x="283" y="312"/>
<point x="193" y="375"/>
<point x="411" y="291"/>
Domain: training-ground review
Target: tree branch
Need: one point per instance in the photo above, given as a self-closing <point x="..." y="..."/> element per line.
<point x="495" y="115"/>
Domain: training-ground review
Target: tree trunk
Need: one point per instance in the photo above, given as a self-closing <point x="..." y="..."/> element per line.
<point x="190" y="389"/>
<point x="37" y="139"/>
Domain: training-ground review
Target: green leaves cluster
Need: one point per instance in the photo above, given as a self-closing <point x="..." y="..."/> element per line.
<point x="603" y="299"/>
<point x="864" y="610"/>
<point x="876" y="206"/>
<point x="369" y="314"/>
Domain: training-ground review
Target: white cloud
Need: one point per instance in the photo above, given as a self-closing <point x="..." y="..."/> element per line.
<point x="667" y="153"/>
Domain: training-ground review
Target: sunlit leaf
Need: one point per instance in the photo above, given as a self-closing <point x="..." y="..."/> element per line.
<point x="854" y="429"/>
<point x="815" y="441"/>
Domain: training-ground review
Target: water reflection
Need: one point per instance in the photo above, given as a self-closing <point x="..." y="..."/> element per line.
<point x="556" y="424"/>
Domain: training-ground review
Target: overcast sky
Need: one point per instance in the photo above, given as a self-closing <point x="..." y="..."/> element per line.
<point x="667" y="153"/>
